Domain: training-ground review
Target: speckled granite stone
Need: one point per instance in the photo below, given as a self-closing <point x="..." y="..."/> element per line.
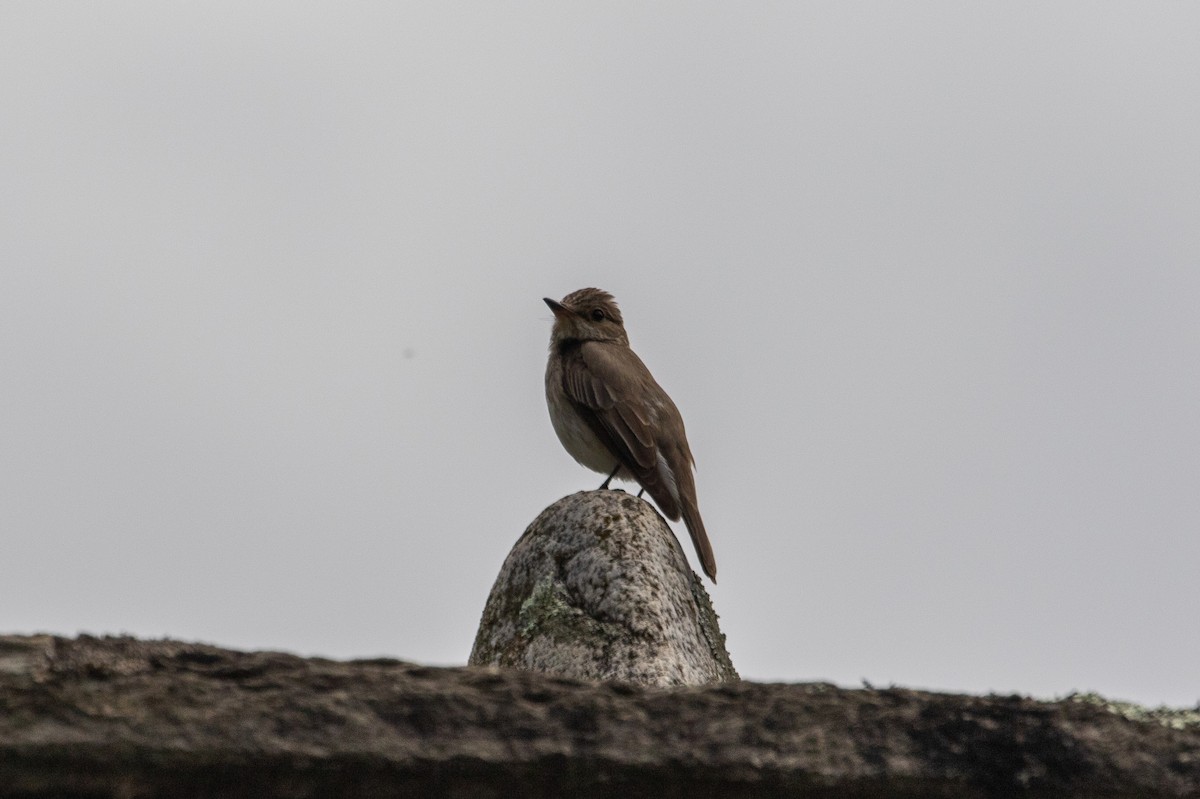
<point x="598" y="588"/>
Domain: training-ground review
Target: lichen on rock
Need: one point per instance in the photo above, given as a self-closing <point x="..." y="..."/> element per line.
<point x="598" y="588"/>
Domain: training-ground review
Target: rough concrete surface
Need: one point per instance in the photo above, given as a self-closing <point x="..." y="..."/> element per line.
<point x="599" y="588"/>
<point x="124" y="718"/>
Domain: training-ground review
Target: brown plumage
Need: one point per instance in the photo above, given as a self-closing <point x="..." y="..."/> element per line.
<point x="613" y="417"/>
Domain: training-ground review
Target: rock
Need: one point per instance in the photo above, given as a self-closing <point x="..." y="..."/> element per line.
<point x="598" y="588"/>
<point x="119" y="718"/>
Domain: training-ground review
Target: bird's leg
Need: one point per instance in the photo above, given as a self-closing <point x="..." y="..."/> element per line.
<point x="604" y="485"/>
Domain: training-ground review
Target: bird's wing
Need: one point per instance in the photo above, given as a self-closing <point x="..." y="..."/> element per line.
<point x="616" y="395"/>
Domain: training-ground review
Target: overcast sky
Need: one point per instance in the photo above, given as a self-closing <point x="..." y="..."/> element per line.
<point x="923" y="279"/>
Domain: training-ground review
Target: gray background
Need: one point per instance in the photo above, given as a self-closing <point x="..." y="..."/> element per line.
<point x="923" y="279"/>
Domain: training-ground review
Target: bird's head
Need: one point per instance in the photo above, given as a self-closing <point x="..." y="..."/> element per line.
<point x="587" y="315"/>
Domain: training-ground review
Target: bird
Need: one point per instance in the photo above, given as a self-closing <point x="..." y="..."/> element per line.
<point x="613" y="417"/>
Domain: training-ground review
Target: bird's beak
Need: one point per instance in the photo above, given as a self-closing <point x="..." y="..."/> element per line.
<point x="560" y="311"/>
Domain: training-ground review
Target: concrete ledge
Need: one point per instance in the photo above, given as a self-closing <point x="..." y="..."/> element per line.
<point x="120" y="717"/>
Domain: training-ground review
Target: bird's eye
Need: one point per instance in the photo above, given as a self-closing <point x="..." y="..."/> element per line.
<point x="597" y="315"/>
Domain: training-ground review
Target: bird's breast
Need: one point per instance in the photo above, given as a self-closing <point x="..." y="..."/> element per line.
<point x="573" y="432"/>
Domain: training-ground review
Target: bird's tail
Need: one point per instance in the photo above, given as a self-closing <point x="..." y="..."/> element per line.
<point x="695" y="526"/>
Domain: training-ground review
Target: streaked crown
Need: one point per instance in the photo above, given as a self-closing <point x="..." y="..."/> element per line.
<point x="585" y="301"/>
<point x="591" y="315"/>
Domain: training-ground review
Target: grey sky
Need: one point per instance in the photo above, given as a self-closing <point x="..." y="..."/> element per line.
<point x="922" y="278"/>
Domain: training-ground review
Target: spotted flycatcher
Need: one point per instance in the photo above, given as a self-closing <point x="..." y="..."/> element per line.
<point x="611" y="415"/>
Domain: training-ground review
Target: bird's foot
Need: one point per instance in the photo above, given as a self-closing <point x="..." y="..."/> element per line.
<point x="604" y="485"/>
